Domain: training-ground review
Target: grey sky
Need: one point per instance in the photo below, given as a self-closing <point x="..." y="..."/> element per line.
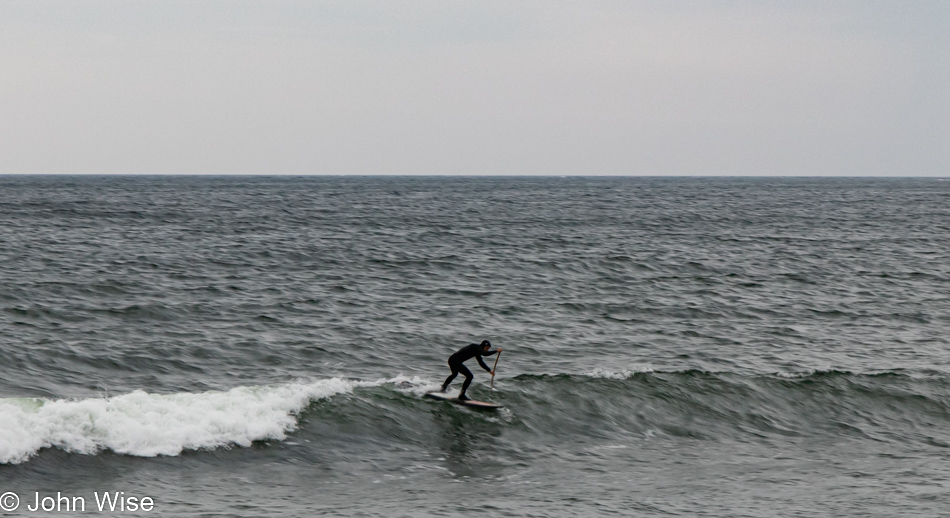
<point x="475" y="87"/>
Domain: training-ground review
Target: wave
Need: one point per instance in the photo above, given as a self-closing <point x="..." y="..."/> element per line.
<point x="634" y="370"/>
<point x="619" y="375"/>
<point x="884" y="406"/>
<point x="148" y="425"/>
<point x="630" y="404"/>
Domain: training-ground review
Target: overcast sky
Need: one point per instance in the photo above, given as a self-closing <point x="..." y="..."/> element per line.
<point x="475" y="87"/>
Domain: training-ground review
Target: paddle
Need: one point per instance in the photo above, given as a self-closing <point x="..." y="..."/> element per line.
<point x="492" y="387"/>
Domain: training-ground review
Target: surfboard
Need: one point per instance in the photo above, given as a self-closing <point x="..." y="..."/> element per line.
<point x="441" y="396"/>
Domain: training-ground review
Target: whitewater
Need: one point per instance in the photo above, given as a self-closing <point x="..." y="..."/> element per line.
<point x="146" y="424"/>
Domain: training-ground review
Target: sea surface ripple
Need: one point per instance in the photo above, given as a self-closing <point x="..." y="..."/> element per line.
<point x="250" y="346"/>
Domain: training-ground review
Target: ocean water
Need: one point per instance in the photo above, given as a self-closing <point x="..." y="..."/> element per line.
<point x="259" y="346"/>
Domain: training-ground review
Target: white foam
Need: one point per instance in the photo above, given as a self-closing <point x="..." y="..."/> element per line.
<point x="793" y="375"/>
<point x="414" y="385"/>
<point x="618" y="375"/>
<point x="804" y="374"/>
<point x="147" y="425"/>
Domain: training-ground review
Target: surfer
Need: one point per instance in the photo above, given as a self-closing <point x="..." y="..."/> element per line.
<point x="461" y="356"/>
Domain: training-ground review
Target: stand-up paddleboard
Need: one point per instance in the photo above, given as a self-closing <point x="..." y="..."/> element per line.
<point x="442" y="396"/>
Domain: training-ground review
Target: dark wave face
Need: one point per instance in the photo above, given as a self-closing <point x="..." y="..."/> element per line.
<point x="261" y="346"/>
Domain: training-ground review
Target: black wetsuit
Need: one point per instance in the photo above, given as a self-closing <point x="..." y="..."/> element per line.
<point x="464" y="354"/>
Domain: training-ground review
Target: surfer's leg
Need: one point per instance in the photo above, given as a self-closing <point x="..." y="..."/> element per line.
<point x="468" y="381"/>
<point x="455" y="372"/>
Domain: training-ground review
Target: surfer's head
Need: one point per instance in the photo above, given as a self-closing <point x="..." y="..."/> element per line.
<point x="486" y="344"/>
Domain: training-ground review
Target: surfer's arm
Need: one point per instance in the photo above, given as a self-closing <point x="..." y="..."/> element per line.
<point x="482" y="363"/>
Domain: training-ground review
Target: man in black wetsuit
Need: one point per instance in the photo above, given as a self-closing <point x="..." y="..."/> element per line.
<point x="464" y="354"/>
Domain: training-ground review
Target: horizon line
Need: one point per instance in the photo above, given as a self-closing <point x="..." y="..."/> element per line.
<point x="425" y="175"/>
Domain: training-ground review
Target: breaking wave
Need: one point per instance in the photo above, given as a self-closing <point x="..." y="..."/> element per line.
<point x="147" y="425"/>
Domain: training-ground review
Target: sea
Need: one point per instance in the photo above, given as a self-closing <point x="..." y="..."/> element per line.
<point x="197" y="346"/>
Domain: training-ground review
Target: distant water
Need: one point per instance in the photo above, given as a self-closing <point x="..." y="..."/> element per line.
<point x="235" y="346"/>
